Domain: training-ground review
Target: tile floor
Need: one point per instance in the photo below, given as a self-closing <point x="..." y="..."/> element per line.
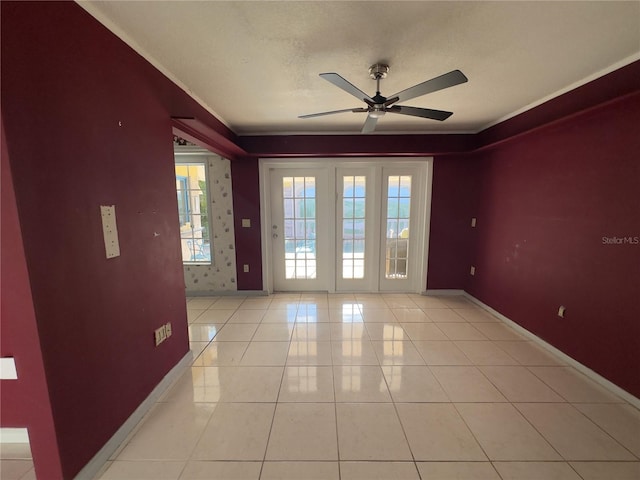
<point x="317" y="386"/>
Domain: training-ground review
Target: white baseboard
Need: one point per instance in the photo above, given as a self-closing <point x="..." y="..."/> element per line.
<point x="443" y="292"/>
<point x="91" y="469"/>
<point x="226" y="293"/>
<point x="599" y="379"/>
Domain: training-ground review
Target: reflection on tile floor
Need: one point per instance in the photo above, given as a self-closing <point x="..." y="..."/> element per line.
<point x="349" y="386"/>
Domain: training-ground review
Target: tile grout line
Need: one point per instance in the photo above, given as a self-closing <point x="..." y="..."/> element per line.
<point x="277" y="402"/>
<point x="508" y="401"/>
<point x="458" y="413"/>
<point x="393" y="401"/>
<point x="197" y="442"/>
<point x="406" y="438"/>
<point x="335" y="412"/>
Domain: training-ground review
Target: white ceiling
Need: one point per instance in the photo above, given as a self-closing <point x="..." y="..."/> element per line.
<point x="255" y="65"/>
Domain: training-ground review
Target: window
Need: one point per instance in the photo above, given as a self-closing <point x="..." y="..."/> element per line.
<point x="193" y="208"/>
<point x="183" y="199"/>
<point x="299" y="194"/>
<point x="353" y="225"/>
<point x="398" y="216"/>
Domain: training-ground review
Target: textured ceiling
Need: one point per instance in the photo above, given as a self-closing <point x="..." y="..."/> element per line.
<point x="255" y="65"/>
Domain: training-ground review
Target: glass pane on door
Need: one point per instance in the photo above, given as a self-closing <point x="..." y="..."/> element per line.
<point x="299" y="197"/>
<point x="397" y="237"/>
<point x="353" y="226"/>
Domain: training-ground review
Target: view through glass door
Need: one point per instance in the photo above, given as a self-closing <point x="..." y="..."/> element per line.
<point x="356" y="227"/>
<point x="299" y="208"/>
<point x="396" y="270"/>
<point x="348" y="227"/>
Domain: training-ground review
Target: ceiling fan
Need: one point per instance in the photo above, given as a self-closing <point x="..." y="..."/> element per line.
<point x="378" y="106"/>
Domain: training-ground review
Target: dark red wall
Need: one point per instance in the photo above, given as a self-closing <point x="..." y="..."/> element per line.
<point x="88" y="123"/>
<point x="246" y="204"/>
<point x="24" y="402"/>
<point x="609" y="87"/>
<point x="547" y="200"/>
<point x="455" y="190"/>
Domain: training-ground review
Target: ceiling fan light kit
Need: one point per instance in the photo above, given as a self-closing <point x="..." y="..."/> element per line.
<point x="378" y="106"/>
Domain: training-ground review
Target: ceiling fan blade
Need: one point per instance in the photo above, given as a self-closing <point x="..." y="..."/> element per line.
<point x="420" y="112"/>
<point x="340" y="82"/>
<point x="370" y="124"/>
<point x="447" y="80"/>
<point x="332" y="112"/>
<point x="390" y="101"/>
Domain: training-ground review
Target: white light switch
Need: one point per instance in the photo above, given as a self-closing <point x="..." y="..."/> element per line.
<point x="110" y="230"/>
<point x="246" y="223"/>
<point x="473" y="222"/>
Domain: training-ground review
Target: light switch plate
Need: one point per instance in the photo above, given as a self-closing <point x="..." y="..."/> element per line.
<point x="246" y="223"/>
<point x="110" y="230"/>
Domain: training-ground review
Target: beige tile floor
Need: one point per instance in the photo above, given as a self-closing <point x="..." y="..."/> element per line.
<point x="317" y="386"/>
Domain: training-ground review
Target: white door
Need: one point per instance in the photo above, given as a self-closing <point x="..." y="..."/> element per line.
<point x="357" y="224"/>
<point x="402" y="233"/>
<point x="301" y="247"/>
<point x="347" y="226"/>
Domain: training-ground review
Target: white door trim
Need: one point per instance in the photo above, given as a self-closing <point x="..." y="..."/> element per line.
<point x="264" y="166"/>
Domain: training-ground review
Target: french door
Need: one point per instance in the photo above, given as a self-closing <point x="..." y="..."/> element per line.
<point x="300" y="240"/>
<point x="345" y="226"/>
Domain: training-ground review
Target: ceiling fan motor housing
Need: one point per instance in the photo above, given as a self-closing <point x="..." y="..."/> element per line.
<point x="378" y="71"/>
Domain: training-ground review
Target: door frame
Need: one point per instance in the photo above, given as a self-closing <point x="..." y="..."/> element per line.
<point x="332" y="163"/>
<point x="323" y="245"/>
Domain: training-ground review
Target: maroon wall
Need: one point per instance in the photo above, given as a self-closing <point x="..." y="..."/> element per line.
<point x="547" y="200"/>
<point x="613" y="85"/>
<point x="88" y="123"/>
<point x="246" y="204"/>
<point x="24" y="402"/>
<point x="455" y="190"/>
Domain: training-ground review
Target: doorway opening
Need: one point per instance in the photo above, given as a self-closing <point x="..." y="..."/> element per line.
<point x="345" y="226"/>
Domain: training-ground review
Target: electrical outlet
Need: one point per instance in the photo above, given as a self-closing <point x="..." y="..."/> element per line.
<point x="473" y="222"/>
<point x="245" y="268"/>
<point x="167" y="329"/>
<point x="473" y="270"/>
<point x="160" y="334"/>
<point x="561" y="311"/>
